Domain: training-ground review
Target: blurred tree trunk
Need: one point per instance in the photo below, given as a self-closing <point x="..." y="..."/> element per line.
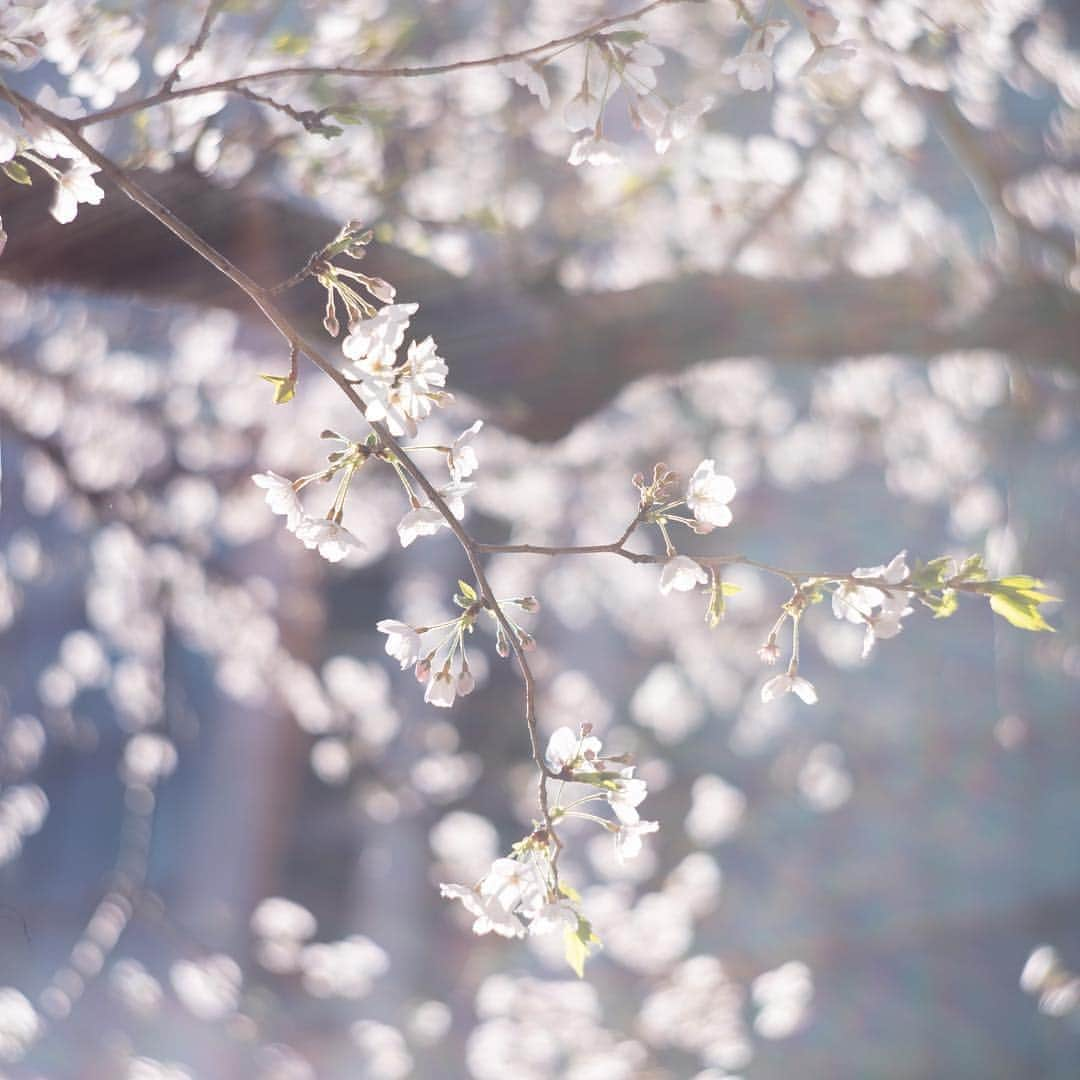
<point x="540" y="357"/>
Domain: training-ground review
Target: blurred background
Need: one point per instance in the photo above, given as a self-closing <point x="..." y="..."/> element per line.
<point x="224" y="813"/>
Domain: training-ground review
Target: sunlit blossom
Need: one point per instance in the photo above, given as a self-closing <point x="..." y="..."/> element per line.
<point x="708" y="495"/>
<point x="281" y="497"/>
<point x="333" y="541"/>
<point x="74" y="186"/>
<point x="779" y="685"/>
<point x="682" y="574"/>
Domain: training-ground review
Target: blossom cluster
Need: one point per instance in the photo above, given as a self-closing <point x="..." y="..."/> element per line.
<point x="578" y="758"/>
<point x="521" y="894"/>
<point x="856" y="602"/>
<point x="437" y="654"/>
<point x="36" y="144"/>
<point x="399" y="394"/>
<point x="626" y="59"/>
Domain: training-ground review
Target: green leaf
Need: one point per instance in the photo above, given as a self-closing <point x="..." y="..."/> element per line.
<point x="578" y="945"/>
<point x="942" y="604"/>
<point x="972" y="569"/>
<point x="1017" y="599"/>
<point x="626" y="37"/>
<point x="284" y="387"/>
<point x="467" y="590"/>
<point x="1019" y="611"/>
<point x="934" y="574"/>
<point x="570" y="892"/>
<point x="1028" y="585"/>
<point x="291" y="44"/>
<point x="17" y="171"/>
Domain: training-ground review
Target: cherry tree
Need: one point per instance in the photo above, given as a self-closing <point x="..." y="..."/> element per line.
<point x="295" y="292"/>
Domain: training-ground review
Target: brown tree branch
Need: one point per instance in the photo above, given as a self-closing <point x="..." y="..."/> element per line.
<point x="541" y="358"/>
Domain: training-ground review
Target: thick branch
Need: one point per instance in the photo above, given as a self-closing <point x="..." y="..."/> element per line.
<point x="541" y="358"/>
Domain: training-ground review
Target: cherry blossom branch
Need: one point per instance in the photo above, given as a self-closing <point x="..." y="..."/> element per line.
<point x="212" y="11"/>
<point x="617" y="547"/>
<point x="389" y="72"/>
<point x="298" y="344"/>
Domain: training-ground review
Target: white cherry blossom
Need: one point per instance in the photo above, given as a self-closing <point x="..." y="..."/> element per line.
<point x="442" y="687"/>
<point x="462" y="460"/>
<point x="628" y="794"/>
<point x="404" y="394"/>
<point x="526" y="73"/>
<point x="753" y="66"/>
<point x="517" y="883"/>
<point x="669" y="125"/>
<point x="594" y="150"/>
<point x="76" y="185"/>
<point x="373" y="343"/>
<point x="789" y="683"/>
<point x="402" y="642"/>
<point x="628" y="838"/>
<point x="558" y="915"/>
<point x="331" y="538"/>
<point x="281" y="497"/>
<point x="582" y="110"/>
<point x="709" y="493"/>
<point x="567" y="748"/>
<point x="892" y="574"/>
<point x="635" y="68"/>
<point x="491" y="916"/>
<point x="682" y="574"/>
<point x="426" y="520"/>
<point x="886" y="623"/>
<point x="855" y="602"/>
<point x="419" y="521"/>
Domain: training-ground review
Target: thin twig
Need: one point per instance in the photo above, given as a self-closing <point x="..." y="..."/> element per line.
<point x="405" y="72"/>
<point x="212" y="11"/>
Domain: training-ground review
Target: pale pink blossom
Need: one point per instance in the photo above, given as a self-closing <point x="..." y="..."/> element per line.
<point x="682" y="574"/>
<point x="402" y="642"/>
<point x="281" y="497"/>
<point x="529" y="75"/>
<point x="628" y="838"/>
<point x="75" y="186"/>
<point x="373" y="343"/>
<point x="593" y="150"/>
<point x="332" y="539"/>
<point x="708" y="495"/>
<point x="779" y="685"/>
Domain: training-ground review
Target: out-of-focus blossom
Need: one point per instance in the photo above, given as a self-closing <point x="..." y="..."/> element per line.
<point x="530" y="75"/>
<point x="753" y="65"/>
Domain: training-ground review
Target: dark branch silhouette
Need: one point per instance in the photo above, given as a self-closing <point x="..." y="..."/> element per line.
<point x="540" y="357"/>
